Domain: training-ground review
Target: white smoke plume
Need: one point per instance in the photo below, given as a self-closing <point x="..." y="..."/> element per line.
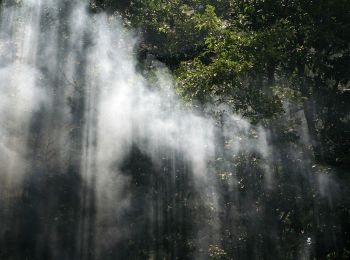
<point x="57" y="59"/>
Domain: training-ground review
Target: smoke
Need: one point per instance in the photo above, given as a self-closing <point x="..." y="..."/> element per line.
<point x="63" y="80"/>
<point x="71" y="94"/>
<point x="74" y="109"/>
<point x="128" y="112"/>
<point x="20" y="93"/>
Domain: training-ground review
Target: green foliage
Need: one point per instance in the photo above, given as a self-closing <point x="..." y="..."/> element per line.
<point x="269" y="61"/>
<point x="228" y="69"/>
<point x="167" y="28"/>
<point x="216" y="253"/>
<point x="256" y="55"/>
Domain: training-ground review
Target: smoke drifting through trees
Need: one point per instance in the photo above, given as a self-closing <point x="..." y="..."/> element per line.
<point x="99" y="162"/>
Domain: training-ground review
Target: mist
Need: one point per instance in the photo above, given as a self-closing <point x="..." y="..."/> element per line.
<point x="99" y="161"/>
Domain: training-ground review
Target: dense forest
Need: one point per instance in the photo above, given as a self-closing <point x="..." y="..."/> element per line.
<point x="263" y="60"/>
<point x="152" y="129"/>
<point x="255" y="56"/>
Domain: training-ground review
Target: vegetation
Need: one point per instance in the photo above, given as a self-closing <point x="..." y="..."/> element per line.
<point x="254" y="56"/>
<point x="264" y="60"/>
<point x="283" y="65"/>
